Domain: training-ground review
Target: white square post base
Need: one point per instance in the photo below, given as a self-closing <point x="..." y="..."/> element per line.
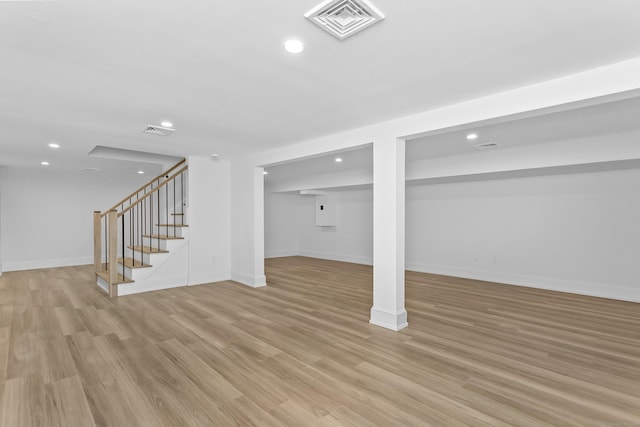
<point x="393" y="321"/>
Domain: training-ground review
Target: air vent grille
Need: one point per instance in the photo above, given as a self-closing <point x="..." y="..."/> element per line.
<point x="158" y="130"/>
<point x="344" y="18"/>
<point x="486" y="145"/>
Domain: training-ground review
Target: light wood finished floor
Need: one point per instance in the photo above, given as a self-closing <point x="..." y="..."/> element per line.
<point x="300" y="352"/>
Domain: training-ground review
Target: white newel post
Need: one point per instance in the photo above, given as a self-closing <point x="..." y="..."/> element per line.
<point x="388" y="308"/>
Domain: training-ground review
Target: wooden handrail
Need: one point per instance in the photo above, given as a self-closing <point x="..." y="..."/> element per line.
<point x="144" y="186"/>
<point x="138" y="201"/>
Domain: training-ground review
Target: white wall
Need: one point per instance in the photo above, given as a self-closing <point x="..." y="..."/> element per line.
<point x="351" y="240"/>
<point x="576" y="233"/>
<point x="282" y="214"/>
<point x="209" y="219"/>
<point x="47" y="216"/>
<point x="0" y="229"/>
<point x="290" y="227"/>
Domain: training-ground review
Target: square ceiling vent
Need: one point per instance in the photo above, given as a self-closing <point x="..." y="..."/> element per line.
<point x="158" y="130"/>
<point x="344" y="18"/>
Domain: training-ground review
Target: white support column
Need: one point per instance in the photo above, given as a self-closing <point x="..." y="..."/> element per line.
<point x="258" y="228"/>
<point x="388" y="234"/>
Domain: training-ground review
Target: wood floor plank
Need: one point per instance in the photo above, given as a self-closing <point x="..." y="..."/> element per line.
<point x="202" y="375"/>
<point x="22" y="402"/>
<point x="184" y="403"/>
<point x="300" y="352"/>
<point x="66" y="404"/>
<point x="5" y="333"/>
<point x="130" y="382"/>
<point x="107" y="405"/>
<point x="69" y="320"/>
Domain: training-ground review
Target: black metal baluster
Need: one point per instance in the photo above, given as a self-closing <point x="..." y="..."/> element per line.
<point x="144" y="220"/>
<point x="158" y="190"/>
<point x="174" y="210"/>
<point x="134" y="222"/>
<point x="182" y="196"/>
<point x="138" y="226"/>
<point x="106" y="244"/>
<point x="130" y="213"/>
<point x="122" y="247"/>
<point x="151" y="220"/>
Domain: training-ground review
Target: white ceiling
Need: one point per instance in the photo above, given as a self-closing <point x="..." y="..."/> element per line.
<point x="87" y="73"/>
<point x="359" y="158"/>
<point x="607" y="122"/>
<point x="587" y="122"/>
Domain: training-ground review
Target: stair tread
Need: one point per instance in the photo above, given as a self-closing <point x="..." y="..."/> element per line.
<point x="163" y="237"/>
<point x="129" y="262"/>
<point x="172" y="225"/>
<point x="148" y="250"/>
<point x="105" y="276"/>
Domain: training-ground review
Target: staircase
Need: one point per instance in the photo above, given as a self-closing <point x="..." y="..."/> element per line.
<point x="141" y="243"/>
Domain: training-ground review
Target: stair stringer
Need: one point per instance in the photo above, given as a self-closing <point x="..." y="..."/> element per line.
<point x="168" y="270"/>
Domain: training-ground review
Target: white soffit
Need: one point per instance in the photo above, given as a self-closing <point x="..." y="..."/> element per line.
<point x="344" y="18"/>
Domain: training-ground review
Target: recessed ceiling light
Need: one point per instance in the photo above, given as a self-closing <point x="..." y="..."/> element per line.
<point x="167" y="124"/>
<point x="44" y="163"/>
<point x="338" y="159"/>
<point x="293" y="46"/>
<point x="265" y="173"/>
<point x="54" y="145"/>
<point x="472" y="136"/>
<point x="140" y="172"/>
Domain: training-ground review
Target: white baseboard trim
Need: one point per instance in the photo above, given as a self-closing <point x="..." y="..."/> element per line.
<point x="249" y="280"/>
<point x="203" y="279"/>
<point x="45" y="263"/>
<point x="152" y="285"/>
<point x="355" y="259"/>
<point x="281" y="254"/>
<point x="600" y="290"/>
<point x="385" y="319"/>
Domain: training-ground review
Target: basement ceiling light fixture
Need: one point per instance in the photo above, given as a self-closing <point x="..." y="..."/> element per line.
<point x="293" y="46"/>
<point x="472" y="136"/>
<point x="265" y="173"/>
<point x="167" y="124"/>
<point x="338" y="159"/>
<point x="344" y="18"/>
<point x="140" y="172"/>
<point x="45" y="163"/>
<point x="54" y="145"/>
